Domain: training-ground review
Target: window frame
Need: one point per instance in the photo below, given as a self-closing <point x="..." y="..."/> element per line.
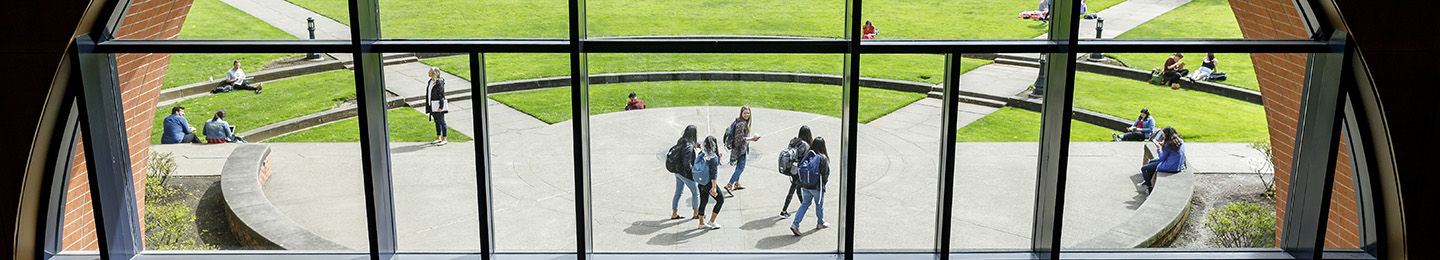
<point x="1327" y="114"/>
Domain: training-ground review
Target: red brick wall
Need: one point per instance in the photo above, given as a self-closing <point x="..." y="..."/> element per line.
<point x="1281" y="78"/>
<point x="140" y="78"/>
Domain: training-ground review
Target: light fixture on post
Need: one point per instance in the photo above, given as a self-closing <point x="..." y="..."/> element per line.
<point x="1099" y="27"/>
<point x="310" y="22"/>
<point x="1039" y="89"/>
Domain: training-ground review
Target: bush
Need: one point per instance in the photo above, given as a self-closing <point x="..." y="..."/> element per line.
<point x="1242" y="224"/>
<point x="167" y="224"/>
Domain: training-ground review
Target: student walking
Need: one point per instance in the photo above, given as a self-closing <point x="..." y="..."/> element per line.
<point x="792" y="154"/>
<point x="678" y="161"/>
<point x="814" y="173"/>
<point x="738" y="138"/>
<point x="705" y="169"/>
<point x="436" y="106"/>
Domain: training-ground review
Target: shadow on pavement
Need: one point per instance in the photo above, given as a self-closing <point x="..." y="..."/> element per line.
<point x="784" y="240"/>
<point x="410" y="148"/>
<point x="762" y="223"/>
<point x="646" y="227"/>
<point x="1139" y="198"/>
<point x="670" y="239"/>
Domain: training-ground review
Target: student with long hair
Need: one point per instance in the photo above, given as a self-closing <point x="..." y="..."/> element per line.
<point x="1171" y="158"/>
<point x="436" y="106"/>
<point x="814" y="168"/>
<point x="801" y="143"/>
<point x="740" y="148"/>
<point x="681" y="183"/>
<point x="705" y="169"/>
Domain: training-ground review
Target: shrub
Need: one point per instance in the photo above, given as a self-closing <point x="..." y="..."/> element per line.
<point x="167" y="224"/>
<point x="1242" y="224"/>
<point x="158" y="170"/>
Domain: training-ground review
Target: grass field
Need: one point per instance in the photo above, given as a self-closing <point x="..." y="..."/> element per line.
<point x="811" y="98"/>
<point x="928" y="68"/>
<point x="896" y="19"/>
<point x="1197" y="19"/>
<point x="1198" y="116"/>
<point x="406" y="125"/>
<point x="282" y="100"/>
<point x="212" y="19"/>
<point x="1018" y="125"/>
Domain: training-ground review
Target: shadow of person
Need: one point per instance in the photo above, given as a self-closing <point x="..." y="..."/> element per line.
<point x="646" y="227"/>
<point x="762" y="223"/>
<point x="785" y="240"/>
<point x="670" y="239"/>
<point x="410" y="148"/>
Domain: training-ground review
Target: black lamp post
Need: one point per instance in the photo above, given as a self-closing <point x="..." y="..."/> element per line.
<point x="310" y="21"/>
<point x="1040" y="80"/>
<point x="1099" y="27"/>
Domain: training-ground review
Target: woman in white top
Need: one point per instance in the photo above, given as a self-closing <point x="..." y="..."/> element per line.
<point x="235" y="79"/>
<point x="437" y="106"/>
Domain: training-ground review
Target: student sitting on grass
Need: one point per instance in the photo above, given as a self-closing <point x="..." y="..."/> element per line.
<point x="235" y="79"/>
<point x="869" y="31"/>
<point x="1174" y="69"/>
<point x="1143" y="128"/>
<point x="1208" y="69"/>
<point x="635" y="103"/>
<point x="219" y="131"/>
<point x="177" y="129"/>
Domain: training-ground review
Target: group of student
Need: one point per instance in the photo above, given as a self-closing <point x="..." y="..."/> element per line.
<point x="695" y="164"/>
<point x="178" y="130"/>
<point x="1168" y="142"/>
<point x="1174" y="70"/>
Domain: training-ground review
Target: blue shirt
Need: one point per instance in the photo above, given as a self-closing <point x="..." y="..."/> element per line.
<point x="1148" y="127"/>
<point x="218" y="129"/>
<point x="176" y="127"/>
<point x="1171" y="161"/>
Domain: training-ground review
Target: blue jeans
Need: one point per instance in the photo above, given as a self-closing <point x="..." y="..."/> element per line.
<point x="808" y="196"/>
<point x="1148" y="171"/>
<point x="739" y="168"/>
<point x="681" y="183"/>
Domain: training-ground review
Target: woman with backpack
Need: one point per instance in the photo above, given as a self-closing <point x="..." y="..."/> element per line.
<point x="687" y="140"/>
<point x="739" y="148"/>
<point x="705" y="169"/>
<point x="798" y="147"/>
<point x="814" y="173"/>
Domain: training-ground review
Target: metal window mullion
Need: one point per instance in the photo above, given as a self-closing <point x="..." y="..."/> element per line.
<point x="1055" y="131"/>
<point x="580" y="129"/>
<point x="62" y="150"/>
<point x="849" y="123"/>
<point x="1315" y="22"/>
<point x="1356" y="139"/>
<point x="1313" y="168"/>
<point x="950" y="114"/>
<point x="483" y="183"/>
<point x="104" y="28"/>
<point x="374" y="135"/>
<point x="107" y="153"/>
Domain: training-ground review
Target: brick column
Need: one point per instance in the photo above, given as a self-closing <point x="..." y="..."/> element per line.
<point x="140" y="79"/>
<point x="1281" y="78"/>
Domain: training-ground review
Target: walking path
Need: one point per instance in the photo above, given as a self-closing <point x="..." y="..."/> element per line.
<point x="290" y="18"/>
<point x="1123" y="17"/>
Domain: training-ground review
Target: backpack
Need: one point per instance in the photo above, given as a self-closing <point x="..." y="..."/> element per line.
<point x="678" y="159"/>
<point x="1157" y="77"/>
<point x="1217" y="76"/>
<point x="700" y="167"/>
<point x="809" y="170"/>
<point x="792" y="154"/>
<point x="730" y="135"/>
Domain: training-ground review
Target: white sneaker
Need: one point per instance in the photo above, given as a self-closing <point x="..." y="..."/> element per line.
<point x="442" y="143"/>
<point x="713" y="225"/>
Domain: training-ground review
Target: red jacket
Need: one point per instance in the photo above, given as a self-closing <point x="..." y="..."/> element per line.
<point x="635" y="103"/>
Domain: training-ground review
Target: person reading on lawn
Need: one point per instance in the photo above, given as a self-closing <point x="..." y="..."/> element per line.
<point x="869" y="31"/>
<point x="1143" y="128"/>
<point x="635" y="103"/>
<point x="235" y="79"/>
<point x="1174" y="70"/>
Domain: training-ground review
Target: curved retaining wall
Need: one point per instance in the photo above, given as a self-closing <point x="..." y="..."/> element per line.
<point x="1143" y="75"/>
<point x="1158" y="220"/>
<point x="256" y="223"/>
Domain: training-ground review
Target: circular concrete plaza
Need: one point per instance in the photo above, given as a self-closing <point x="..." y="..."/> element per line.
<point x="319" y="186"/>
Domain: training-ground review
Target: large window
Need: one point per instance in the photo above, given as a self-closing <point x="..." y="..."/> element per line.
<point x="564" y="129"/>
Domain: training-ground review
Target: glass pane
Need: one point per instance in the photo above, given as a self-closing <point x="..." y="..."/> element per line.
<point x="1207" y="138"/>
<point x="278" y="173"/>
<point x="1347" y="210"/>
<point x="615" y="18"/>
<point x="436" y="207"/>
<point x="898" y="148"/>
<point x="467" y="19"/>
<point x="234" y="19"/>
<point x="965" y="19"/>
<point x="996" y="152"/>
<point x="1198" y="19"/>
<point x="77" y="224"/>
<point x="641" y="205"/>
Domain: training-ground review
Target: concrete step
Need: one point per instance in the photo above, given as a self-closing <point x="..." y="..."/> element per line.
<point x="970" y="99"/>
<point x="390" y="61"/>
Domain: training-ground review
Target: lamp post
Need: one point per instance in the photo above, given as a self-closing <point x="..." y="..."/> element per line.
<point x="310" y="22"/>
<point x="1040" y="80"/>
<point x="1099" y="27"/>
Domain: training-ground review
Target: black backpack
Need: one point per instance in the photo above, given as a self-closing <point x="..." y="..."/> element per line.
<point x="791" y="154"/>
<point x="730" y="135"/>
<point x="679" y="158"/>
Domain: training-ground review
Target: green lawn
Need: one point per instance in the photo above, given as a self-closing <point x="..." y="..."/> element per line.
<point x="212" y="19"/>
<point x="1197" y="19"/>
<point x="926" y="68"/>
<point x="1018" y="125"/>
<point x="406" y="125"/>
<point x="282" y="100"/>
<point x="606" y="98"/>
<point x="896" y="19"/>
<point x="1198" y="116"/>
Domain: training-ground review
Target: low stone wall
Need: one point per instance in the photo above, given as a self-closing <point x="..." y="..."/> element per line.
<point x="1158" y="220"/>
<point x="1223" y="90"/>
<point x="256" y="223"/>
